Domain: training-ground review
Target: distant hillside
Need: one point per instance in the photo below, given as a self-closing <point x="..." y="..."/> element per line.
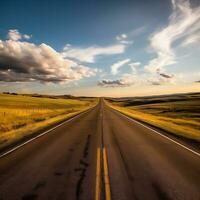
<point x="64" y="96"/>
<point x="135" y="101"/>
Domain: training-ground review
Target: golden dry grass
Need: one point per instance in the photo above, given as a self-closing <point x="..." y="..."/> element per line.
<point x="24" y="115"/>
<point x="179" y="117"/>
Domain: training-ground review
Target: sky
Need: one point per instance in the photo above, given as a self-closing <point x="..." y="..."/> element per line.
<point x="100" y="48"/>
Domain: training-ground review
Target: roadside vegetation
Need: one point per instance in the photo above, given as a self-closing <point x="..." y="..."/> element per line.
<point x="177" y="114"/>
<point x="23" y="115"/>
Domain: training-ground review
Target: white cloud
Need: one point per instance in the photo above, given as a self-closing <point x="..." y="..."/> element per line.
<point x="126" y="42"/>
<point x="191" y="39"/>
<point x="160" y="80"/>
<point x="125" y="81"/>
<point x="90" y="54"/>
<point x="15" y="35"/>
<point x="27" y="37"/>
<point x="25" y="61"/>
<point x="123" y="39"/>
<point x="133" y="66"/>
<point x="136" y="32"/>
<point x="182" y="22"/>
<point x="115" y="67"/>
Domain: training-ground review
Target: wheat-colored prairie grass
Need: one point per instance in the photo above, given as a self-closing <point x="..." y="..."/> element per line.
<point x="181" y="118"/>
<point x="24" y="115"/>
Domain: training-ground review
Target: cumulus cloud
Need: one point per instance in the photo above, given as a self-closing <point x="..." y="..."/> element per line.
<point x="90" y="54"/>
<point x="115" y="67"/>
<point x="15" y="35"/>
<point x="24" y="61"/>
<point x="183" y="24"/>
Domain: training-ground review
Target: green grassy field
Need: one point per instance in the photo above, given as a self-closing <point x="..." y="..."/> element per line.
<point x="176" y="114"/>
<point x="21" y="116"/>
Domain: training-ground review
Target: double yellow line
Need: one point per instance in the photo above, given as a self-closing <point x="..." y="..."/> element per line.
<point x="98" y="175"/>
<point x="105" y="173"/>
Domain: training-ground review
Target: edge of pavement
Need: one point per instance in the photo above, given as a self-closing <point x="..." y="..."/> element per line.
<point x="190" y="145"/>
<point x="43" y="131"/>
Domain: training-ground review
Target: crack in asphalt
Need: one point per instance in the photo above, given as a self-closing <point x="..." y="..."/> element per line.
<point x="161" y="194"/>
<point x="84" y="165"/>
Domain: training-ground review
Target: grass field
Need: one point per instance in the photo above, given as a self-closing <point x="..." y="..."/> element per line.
<point x="176" y="114"/>
<point x="24" y="115"/>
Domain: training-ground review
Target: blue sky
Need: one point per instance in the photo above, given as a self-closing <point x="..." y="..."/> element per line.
<point x="100" y="48"/>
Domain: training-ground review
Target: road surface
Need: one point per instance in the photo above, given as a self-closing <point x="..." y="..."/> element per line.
<point x="100" y="155"/>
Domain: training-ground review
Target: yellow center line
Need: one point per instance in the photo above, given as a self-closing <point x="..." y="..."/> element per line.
<point x="98" y="175"/>
<point x="106" y="175"/>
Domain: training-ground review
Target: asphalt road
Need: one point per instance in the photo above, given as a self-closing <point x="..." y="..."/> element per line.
<point x="100" y="155"/>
